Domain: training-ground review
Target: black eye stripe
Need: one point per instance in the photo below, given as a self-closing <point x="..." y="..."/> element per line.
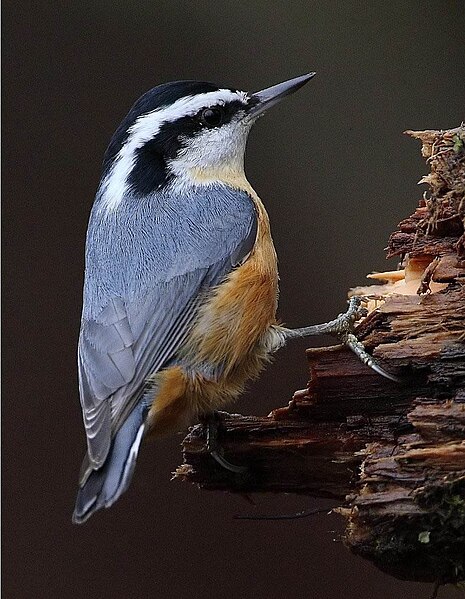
<point x="227" y="112"/>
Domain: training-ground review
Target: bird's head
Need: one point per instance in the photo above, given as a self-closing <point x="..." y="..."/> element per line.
<point x="185" y="132"/>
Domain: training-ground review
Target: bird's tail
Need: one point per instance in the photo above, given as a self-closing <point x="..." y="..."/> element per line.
<point x="101" y="488"/>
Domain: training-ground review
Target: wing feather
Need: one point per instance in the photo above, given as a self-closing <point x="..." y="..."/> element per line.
<point x="148" y="265"/>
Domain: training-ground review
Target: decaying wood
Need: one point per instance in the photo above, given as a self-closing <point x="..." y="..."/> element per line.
<point x="392" y="454"/>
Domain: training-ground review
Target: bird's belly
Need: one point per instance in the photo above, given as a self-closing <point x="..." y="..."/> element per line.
<point x="236" y="314"/>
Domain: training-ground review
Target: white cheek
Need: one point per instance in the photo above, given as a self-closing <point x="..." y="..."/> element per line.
<point x="213" y="149"/>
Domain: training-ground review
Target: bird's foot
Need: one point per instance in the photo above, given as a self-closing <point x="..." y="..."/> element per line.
<point x="213" y="424"/>
<point x="342" y="327"/>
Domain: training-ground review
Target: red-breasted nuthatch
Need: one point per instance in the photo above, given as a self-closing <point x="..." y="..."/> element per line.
<point x="181" y="279"/>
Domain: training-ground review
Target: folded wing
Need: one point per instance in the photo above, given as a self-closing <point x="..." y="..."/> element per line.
<point x="148" y="265"/>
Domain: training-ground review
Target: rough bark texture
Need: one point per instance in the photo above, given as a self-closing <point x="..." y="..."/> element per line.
<point x="393" y="454"/>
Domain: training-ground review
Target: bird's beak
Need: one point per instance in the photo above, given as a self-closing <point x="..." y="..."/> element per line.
<point x="262" y="100"/>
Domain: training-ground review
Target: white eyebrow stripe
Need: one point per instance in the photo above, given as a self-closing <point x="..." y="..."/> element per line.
<point x="145" y="128"/>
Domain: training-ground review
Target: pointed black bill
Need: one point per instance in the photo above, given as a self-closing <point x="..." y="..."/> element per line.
<point x="266" y="98"/>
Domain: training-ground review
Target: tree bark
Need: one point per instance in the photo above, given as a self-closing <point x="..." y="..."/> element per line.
<point x="392" y="454"/>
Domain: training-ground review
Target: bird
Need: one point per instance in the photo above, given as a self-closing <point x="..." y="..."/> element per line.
<point x="181" y="278"/>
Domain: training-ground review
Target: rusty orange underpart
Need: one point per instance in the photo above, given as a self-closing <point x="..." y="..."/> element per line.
<point x="228" y="335"/>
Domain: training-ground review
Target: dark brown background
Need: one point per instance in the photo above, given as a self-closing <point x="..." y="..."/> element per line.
<point x="336" y="174"/>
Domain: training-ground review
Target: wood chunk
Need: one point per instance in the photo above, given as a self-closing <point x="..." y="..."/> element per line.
<point x="449" y="267"/>
<point x="418" y="244"/>
<point x="392" y="454"/>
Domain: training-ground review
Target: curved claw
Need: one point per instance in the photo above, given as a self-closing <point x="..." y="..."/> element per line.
<point x="377" y="368"/>
<point x="227" y="465"/>
<point x="359" y="350"/>
<point x="213" y="422"/>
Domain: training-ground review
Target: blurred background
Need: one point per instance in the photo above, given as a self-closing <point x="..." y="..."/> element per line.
<point x="336" y="174"/>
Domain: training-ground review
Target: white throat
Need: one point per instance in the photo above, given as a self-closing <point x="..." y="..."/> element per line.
<point x="213" y="155"/>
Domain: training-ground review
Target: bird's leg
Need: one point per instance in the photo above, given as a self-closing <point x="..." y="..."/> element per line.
<point x="342" y="327"/>
<point x="213" y="424"/>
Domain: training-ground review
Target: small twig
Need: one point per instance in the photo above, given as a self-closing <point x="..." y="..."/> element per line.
<point x="303" y="514"/>
<point x="427" y="276"/>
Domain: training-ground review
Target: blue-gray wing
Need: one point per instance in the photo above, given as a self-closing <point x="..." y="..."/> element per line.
<point x="148" y="264"/>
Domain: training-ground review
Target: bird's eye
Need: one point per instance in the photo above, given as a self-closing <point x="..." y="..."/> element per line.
<point x="212" y="117"/>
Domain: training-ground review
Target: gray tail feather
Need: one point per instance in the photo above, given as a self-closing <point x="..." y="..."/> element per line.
<point x="102" y="487"/>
